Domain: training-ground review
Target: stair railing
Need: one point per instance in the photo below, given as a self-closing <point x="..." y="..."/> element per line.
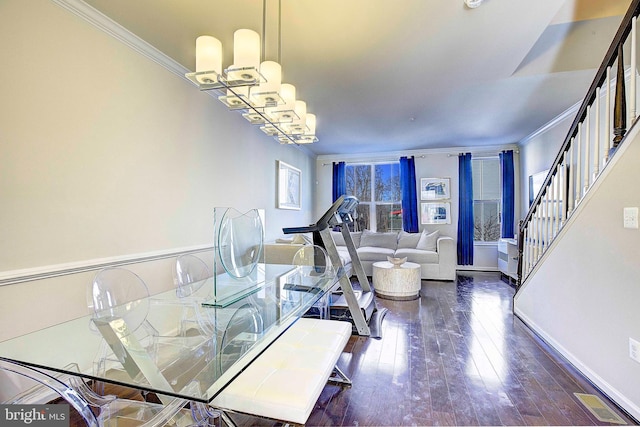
<point x="596" y="132"/>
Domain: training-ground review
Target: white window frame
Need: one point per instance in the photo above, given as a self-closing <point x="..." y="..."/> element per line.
<point x="373" y="220"/>
<point x="499" y="200"/>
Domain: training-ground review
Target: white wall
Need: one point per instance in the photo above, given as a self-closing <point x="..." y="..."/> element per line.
<point x="539" y="151"/>
<point x="107" y="154"/>
<point x="429" y="164"/>
<point x="583" y="297"/>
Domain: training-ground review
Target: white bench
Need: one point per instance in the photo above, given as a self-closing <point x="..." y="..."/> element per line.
<point x="285" y="382"/>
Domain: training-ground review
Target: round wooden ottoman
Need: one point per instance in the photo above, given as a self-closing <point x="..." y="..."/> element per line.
<point x="396" y="282"/>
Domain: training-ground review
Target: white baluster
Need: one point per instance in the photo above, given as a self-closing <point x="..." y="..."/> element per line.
<point x="596" y="142"/>
<point x="577" y="146"/>
<point x="572" y="173"/>
<point x="587" y="148"/>
<point x="532" y="236"/>
<point x="525" y="252"/>
<point x="556" y="201"/>
<point x="538" y="235"/>
<point x="633" y="71"/>
<point x="607" y="122"/>
<point x="550" y="197"/>
<point x="564" y="197"/>
<point x="549" y="219"/>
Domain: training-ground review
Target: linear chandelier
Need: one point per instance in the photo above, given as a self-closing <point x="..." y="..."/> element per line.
<point x="254" y="88"/>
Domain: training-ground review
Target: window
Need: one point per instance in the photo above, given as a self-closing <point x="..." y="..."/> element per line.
<point x="377" y="187"/>
<point x="486" y="199"/>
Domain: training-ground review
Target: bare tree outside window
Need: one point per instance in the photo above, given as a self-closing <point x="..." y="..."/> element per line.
<point x="383" y="211"/>
<point x="486" y="199"/>
<point x="359" y="182"/>
<point x="486" y="221"/>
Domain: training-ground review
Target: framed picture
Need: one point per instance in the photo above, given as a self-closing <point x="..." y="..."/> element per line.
<point x="535" y="184"/>
<point x="435" y="213"/>
<point x="434" y="188"/>
<point x="289" y="186"/>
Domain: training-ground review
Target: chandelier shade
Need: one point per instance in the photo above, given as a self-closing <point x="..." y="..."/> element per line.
<point x="208" y="59"/>
<point x="267" y="93"/>
<point x="246" y="57"/>
<point x="309" y="136"/>
<point x="298" y="124"/>
<point x="246" y="48"/>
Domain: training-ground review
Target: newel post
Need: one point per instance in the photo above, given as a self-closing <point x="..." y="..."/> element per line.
<point x="620" y="106"/>
<point x="520" y="253"/>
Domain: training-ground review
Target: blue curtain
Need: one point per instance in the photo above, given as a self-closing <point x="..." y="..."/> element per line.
<point x="508" y="196"/>
<point x="409" y="194"/>
<point x="465" y="210"/>
<point x="339" y="180"/>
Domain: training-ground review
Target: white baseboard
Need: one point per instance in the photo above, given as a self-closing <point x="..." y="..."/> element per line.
<point x="599" y="382"/>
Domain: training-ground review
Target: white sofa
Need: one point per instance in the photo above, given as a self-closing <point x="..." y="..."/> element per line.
<point x="436" y="254"/>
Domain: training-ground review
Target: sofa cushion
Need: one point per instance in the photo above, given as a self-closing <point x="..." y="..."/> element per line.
<point x="428" y="241"/>
<point x="338" y="238"/>
<point x="408" y="240"/>
<point x="418" y="256"/>
<point x="370" y="253"/>
<point x="388" y="240"/>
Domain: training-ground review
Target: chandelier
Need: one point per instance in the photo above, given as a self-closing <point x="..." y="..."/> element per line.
<point x="253" y="88"/>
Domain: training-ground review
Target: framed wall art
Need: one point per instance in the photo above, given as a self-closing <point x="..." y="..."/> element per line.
<point x="435" y="213"/>
<point x="535" y="184"/>
<point x="434" y="188"/>
<point x="289" y="186"/>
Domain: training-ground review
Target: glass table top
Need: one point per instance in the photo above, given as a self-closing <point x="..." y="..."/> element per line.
<point x="200" y="339"/>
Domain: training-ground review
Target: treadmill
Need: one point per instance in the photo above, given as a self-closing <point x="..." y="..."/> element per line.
<point x="356" y="306"/>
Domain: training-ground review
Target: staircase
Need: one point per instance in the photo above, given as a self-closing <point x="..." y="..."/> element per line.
<point x="600" y="126"/>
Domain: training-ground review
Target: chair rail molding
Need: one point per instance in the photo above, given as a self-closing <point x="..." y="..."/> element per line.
<point x="13" y="277"/>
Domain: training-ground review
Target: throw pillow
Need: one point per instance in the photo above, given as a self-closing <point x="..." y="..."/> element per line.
<point x="408" y="240"/>
<point x="387" y="240"/>
<point x="428" y="241"/>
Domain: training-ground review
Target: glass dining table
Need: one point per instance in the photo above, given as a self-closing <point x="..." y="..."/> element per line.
<point x="197" y="344"/>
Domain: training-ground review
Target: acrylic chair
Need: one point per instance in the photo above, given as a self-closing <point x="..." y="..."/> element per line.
<point x="239" y="333"/>
<point x="312" y="261"/>
<point x="189" y="275"/>
<point x="95" y="410"/>
<point x="38" y="384"/>
<point x="120" y="293"/>
<point x="43" y="387"/>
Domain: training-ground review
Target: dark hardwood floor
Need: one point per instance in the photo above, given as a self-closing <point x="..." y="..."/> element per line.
<point x="455" y="356"/>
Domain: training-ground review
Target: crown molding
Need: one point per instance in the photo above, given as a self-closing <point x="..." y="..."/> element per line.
<point x="571" y="111"/>
<point x="117" y="31"/>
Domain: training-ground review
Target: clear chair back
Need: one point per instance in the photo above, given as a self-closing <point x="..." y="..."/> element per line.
<point x="30" y="378"/>
<point x="190" y="274"/>
<point x="119" y="293"/>
<point x="313" y="260"/>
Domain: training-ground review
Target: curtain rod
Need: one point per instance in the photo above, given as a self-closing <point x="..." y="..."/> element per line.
<point x="422" y="156"/>
<point x="480" y="154"/>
